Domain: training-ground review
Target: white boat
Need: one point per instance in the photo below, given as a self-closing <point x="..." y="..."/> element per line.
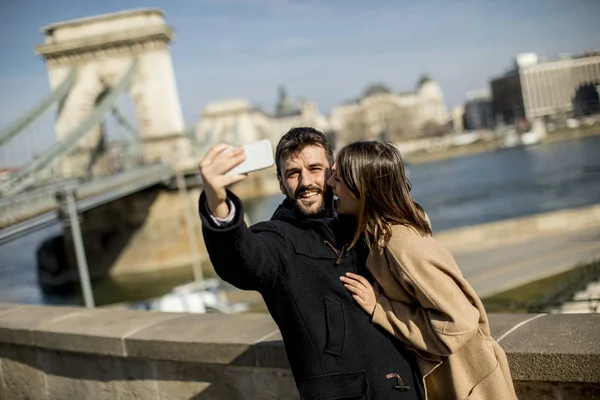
<point x="513" y="139"/>
<point x="529" y="138"/>
<point x="510" y="139"/>
<point x="195" y="297"/>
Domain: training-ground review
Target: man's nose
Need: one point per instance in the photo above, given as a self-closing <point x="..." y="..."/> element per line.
<point x="306" y="179"/>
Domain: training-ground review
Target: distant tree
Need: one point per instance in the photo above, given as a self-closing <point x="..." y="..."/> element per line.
<point x="422" y="80"/>
<point x="587" y="100"/>
<point x="376" y="88"/>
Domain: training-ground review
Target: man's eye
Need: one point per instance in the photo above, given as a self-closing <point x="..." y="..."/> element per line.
<point x="293" y="175"/>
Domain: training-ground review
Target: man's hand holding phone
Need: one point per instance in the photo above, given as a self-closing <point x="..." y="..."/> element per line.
<point x="224" y="165"/>
<point x="214" y="168"/>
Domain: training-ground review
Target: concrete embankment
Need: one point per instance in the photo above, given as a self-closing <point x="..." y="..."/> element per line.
<point x="520" y="229"/>
<point x="502" y="255"/>
<point x="440" y="148"/>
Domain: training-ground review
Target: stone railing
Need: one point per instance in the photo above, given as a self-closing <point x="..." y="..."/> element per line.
<point x="76" y="353"/>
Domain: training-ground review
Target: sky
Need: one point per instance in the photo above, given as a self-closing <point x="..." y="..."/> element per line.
<point x="320" y="50"/>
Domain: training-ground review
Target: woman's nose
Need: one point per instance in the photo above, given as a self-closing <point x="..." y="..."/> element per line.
<point x="330" y="181"/>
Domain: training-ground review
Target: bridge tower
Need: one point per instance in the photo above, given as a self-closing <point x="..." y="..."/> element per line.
<point x="102" y="51"/>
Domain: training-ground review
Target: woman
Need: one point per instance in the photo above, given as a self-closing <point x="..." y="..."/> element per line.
<point x="420" y="295"/>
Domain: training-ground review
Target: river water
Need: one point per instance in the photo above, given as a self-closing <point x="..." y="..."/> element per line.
<point x="458" y="192"/>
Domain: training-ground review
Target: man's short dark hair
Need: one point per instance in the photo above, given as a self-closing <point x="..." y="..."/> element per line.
<point x="296" y="139"/>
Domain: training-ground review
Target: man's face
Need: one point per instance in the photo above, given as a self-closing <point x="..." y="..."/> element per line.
<point x="303" y="180"/>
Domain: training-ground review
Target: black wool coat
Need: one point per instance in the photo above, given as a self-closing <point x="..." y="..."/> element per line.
<point x="334" y="350"/>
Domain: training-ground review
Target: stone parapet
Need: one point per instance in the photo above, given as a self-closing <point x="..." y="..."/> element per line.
<point x="68" y="352"/>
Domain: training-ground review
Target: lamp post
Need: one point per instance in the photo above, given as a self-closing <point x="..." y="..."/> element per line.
<point x="68" y="195"/>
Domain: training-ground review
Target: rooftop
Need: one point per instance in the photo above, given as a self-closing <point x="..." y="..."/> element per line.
<point x="102" y="17"/>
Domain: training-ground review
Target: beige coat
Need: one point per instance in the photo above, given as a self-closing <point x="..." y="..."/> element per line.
<point x="423" y="299"/>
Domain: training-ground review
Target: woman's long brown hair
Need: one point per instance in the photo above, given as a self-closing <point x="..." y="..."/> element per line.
<point x="374" y="173"/>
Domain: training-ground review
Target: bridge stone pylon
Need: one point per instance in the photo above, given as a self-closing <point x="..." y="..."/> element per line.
<point x="101" y="49"/>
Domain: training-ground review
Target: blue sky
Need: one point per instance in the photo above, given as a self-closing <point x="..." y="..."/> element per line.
<point x="325" y="51"/>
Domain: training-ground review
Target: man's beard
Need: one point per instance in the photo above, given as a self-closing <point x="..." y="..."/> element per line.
<point x="321" y="210"/>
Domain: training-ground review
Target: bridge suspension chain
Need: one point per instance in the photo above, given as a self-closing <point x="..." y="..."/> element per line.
<point x="27" y="119"/>
<point x="130" y="128"/>
<point x="124" y="122"/>
<point x="21" y="178"/>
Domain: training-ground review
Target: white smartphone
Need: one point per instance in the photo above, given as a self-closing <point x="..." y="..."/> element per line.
<point x="259" y="155"/>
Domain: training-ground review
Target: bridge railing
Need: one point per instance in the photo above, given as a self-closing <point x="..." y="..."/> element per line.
<point x="25" y="205"/>
<point x="131" y="179"/>
<point x="29" y="204"/>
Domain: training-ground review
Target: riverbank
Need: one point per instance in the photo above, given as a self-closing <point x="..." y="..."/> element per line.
<point x="519" y="230"/>
<point x="537" y="296"/>
<point x="480" y="147"/>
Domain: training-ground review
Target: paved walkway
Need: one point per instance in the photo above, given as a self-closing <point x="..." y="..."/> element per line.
<point x="502" y="267"/>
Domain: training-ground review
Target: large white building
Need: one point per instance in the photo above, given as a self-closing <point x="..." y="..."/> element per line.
<point x="536" y="88"/>
<point x="381" y="113"/>
<point x="237" y="121"/>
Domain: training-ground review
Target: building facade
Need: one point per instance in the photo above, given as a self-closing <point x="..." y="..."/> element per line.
<point x="381" y="113"/>
<point x="535" y="89"/>
<point x="458" y="118"/>
<point x="478" y="111"/>
<point x="236" y="121"/>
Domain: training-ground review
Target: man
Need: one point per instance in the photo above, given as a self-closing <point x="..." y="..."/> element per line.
<point x="295" y="262"/>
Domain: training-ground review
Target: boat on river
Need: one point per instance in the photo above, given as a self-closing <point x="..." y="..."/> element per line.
<point x="196" y="297"/>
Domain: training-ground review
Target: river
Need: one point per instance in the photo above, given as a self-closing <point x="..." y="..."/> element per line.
<point x="457" y="192"/>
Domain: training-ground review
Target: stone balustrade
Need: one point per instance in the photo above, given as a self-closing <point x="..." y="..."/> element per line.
<point x="77" y="353"/>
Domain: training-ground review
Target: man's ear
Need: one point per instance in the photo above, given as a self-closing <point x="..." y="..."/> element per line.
<point x="281" y="185"/>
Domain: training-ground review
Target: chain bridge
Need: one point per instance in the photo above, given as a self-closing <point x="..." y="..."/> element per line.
<point x="91" y="62"/>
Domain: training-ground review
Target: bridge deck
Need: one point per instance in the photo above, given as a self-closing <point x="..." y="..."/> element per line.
<point x="37" y="208"/>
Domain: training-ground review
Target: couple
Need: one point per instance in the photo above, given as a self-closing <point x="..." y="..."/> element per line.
<point x="368" y="304"/>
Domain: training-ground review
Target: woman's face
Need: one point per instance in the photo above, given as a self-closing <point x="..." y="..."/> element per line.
<point x="347" y="203"/>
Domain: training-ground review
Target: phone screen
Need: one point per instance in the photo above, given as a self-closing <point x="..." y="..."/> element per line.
<point x="259" y="155"/>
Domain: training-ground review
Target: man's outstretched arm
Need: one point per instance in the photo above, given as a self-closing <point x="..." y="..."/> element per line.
<point x="213" y="169"/>
<point x="241" y="257"/>
<point x="246" y="259"/>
